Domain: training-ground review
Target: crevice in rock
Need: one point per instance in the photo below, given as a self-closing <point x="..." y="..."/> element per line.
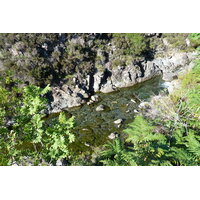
<point x="129" y="75"/>
<point x="105" y="77"/>
<point x="91" y="84"/>
<point x="141" y="69"/>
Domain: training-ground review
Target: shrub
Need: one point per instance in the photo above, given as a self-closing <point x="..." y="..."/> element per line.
<point x="29" y="134"/>
<point x="131" y="43"/>
<point x="195" y="39"/>
<point x="178" y="145"/>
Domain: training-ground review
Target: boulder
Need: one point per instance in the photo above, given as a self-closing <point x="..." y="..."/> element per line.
<point x="65" y="99"/>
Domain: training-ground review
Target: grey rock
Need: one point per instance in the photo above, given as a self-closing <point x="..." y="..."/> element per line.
<point x="2" y="68"/>
<point x="132" y="100"/>
<point x="97" y="81"/>
<point x="59" y="163"/>
<point x="100" y="108"/>
<point x="108" y="87"/>
<point x="86" y="144"/>
<point x="187" y="41"/>
<point x="153" y="34"/>
<point x="118" y="121"/>
<point x="119" y="125"/>
<point x="112" y="136"/>
<point x="90" y="102"/>
<point x="66" y="99"/>
<point x="95" y="98"/>
<point x="144" y="105"/>
<point x="110" y="80"/>
<point x="14" y="164"/>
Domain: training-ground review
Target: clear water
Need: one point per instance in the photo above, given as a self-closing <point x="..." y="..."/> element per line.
<point x="93" y="128"/>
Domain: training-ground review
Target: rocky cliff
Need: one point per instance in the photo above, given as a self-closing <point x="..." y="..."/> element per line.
<point x="109" y="80"/>
<point x="77" y="66"/>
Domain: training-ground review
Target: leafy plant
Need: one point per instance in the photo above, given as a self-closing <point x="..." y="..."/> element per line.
<point x="30" y="135"/>
<point x="115" y="154"/>
<point x="195" y="39"/>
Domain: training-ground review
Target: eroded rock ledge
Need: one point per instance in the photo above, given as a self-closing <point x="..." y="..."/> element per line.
<point x="109" y="80"/>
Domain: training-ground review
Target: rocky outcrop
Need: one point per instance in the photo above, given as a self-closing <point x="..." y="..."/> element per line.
<point x="66" y="97"/>
<point x="110" y="80"/>
<point x="172" y="65"/>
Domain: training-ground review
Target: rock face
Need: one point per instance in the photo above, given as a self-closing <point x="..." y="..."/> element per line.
<point x="110" y="80"/>
<point x="65" y="97"/>
<point x="170" y="66"/>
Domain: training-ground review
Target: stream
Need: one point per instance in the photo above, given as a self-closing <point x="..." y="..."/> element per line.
<point x="93" y="127"/>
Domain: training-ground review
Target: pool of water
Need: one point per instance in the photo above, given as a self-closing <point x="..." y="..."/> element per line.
<point x="93" y="127"/>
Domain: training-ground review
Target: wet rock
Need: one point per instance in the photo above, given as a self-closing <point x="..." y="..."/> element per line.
<point x="86" y="144"/>
<point x="90" y="102"/>
<point x="119" y="125"/>
<point x="85" y="129"/>
<point x="95" y="98"/>
<point x="132" y="100"/>
<point x="118" y="121"/>
<point x="100" y="108"/>
<point x="112" y="136"/>
<point x="59" y="163"/>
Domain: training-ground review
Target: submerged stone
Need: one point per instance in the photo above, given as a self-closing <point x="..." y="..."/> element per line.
<point x="100" y="108"/>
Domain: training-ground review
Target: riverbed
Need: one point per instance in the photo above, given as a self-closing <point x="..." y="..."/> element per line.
<point x="93" y="128"/>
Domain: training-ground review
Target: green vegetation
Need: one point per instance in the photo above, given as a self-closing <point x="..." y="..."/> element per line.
<point x="177" y="40"/>
<point x="47" y="58"/>
<point x="24" y="132"/>
<point x="132" y="43"/>
<point x="195" y="39"/>
<point x="43" y="59"/>
<point x="163" y="142"/>
<point x="29" y="137"/>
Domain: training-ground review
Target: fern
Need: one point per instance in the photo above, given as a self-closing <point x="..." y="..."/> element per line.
<point x="30" y="135"/>
<point x="115" y="154"/>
